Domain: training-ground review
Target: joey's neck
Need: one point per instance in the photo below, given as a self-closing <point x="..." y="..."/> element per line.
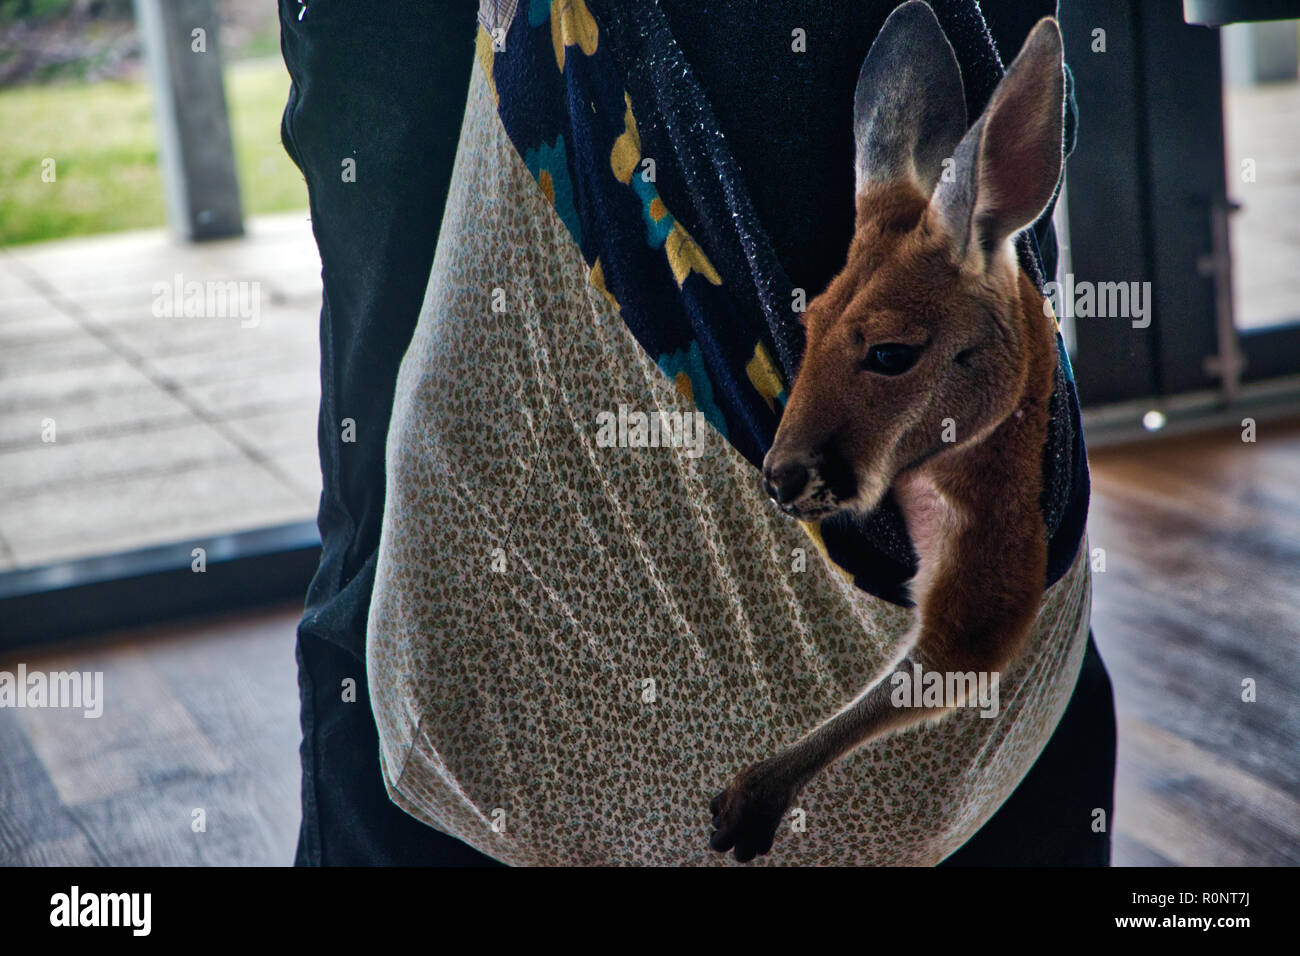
<point x="982" y="497"/>
<point x="1000" y="464"/>
<point x="984" y="493"/>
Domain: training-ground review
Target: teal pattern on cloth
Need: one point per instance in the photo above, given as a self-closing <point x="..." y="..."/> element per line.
<point x="552" y="161"/>
<point x="578" y="84"/>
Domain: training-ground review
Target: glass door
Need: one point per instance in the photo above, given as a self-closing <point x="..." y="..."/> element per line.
<point x="1183" y="209"/>
<point x="1261" y="113"/>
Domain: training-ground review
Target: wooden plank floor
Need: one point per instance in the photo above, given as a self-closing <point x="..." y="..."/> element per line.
<point x="1201" y="590"/>
<point x="199" y="717"/>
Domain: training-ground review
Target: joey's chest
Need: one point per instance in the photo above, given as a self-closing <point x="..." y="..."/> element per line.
<point x="932" y="519"/>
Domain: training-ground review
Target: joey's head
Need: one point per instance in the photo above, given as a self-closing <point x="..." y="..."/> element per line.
<point x="921" y="345"/>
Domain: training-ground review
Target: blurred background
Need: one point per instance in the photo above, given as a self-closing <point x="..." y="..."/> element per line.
<point x="166" y="427"/>
<point x="159" y="300"/>
<point x="141" y="440"/>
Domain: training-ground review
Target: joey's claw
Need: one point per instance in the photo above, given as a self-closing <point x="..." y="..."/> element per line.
<point x="746" y="815"/>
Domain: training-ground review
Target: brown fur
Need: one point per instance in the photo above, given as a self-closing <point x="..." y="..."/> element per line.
<point x="971" y="505"/>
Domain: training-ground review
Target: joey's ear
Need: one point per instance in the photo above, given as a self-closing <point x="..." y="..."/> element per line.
<point x="909" y="111"/>
<point x="1007" y="166"/>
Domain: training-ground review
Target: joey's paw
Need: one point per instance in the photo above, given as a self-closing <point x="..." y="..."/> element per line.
<point x="746" y="815"/>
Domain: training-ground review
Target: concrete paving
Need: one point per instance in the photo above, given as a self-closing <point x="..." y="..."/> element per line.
<point x="170" y="426"/>
<point x="171" y="417"/>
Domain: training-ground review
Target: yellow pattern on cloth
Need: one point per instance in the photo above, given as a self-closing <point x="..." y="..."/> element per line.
<point x="486" y="57"/>
<point x="647" y="635"/>
<point x="597" y="280"/>
<point x="572" y="25"/>
<point x="684" y="253"/>
<point x="814" y="531"/>
<point x="686" y="256"/>
<point x="764" y="376"/>
<point x="625" y="155"/>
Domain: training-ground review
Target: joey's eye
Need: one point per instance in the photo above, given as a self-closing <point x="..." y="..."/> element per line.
<point x="891" y="358"/>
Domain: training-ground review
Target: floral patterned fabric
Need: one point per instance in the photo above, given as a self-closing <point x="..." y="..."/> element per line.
<point x="571" y="647"/>
<point x="563" y="77"/>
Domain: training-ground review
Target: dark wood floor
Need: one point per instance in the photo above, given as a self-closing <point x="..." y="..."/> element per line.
<point x="1201" y="591"/>
<point x="202" y="717"/>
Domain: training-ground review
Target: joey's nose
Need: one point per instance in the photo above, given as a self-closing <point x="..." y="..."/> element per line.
<point x="784" y="484"/>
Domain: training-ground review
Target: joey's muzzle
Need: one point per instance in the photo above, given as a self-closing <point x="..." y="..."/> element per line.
<point x="785" y="482"/>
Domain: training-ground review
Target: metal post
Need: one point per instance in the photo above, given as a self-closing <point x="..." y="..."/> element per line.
<point x="180" y="39"/>
<point x="1228" y="364"/>
<point x="1255" y="53"/>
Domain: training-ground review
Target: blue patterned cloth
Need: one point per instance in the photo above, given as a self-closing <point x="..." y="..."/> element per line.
<point x="581" y="88"/>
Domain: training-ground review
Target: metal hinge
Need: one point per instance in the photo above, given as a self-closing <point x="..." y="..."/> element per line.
<point x="1228" y="363"/>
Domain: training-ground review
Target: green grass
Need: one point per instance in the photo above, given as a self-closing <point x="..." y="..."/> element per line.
<point x="102" y="138"/>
